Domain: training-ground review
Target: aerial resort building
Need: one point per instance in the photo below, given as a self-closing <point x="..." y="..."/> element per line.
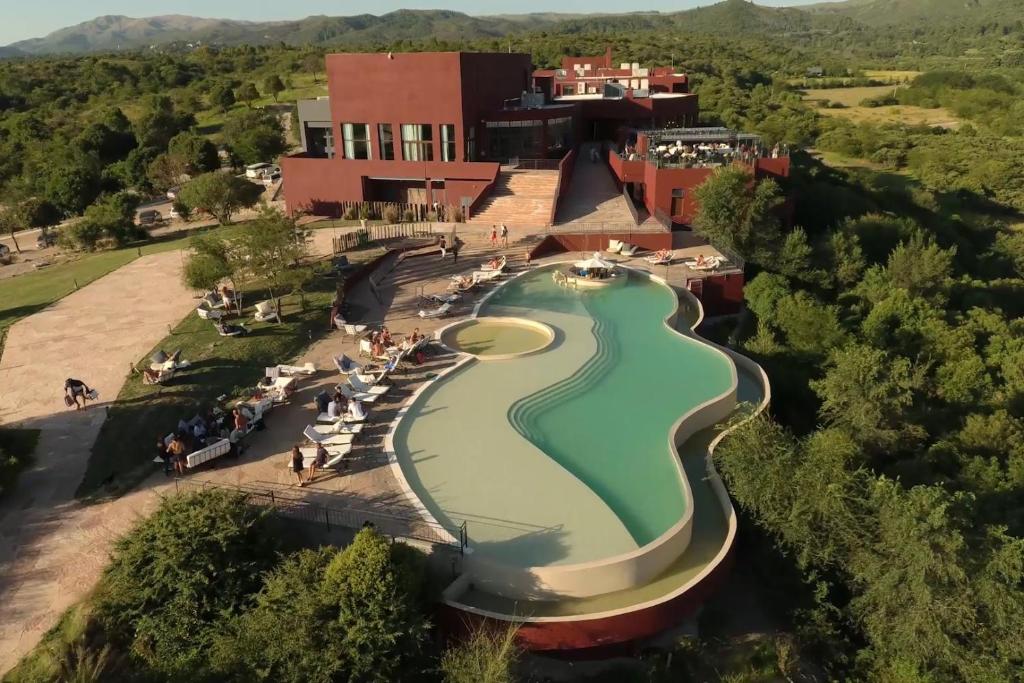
<point x="565" y="446"/>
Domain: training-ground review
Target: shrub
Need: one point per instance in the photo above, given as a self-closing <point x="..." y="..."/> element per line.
<point x="183" y="210"/>
<point x="364" y="211"/>
<point x="458" y="216"/>
<point x="390" y="214"/>
<point x="409" y="216"/>
<point x="487" y="656"/>
<point x="351" y="213"/>
<point x="196" y="561"/>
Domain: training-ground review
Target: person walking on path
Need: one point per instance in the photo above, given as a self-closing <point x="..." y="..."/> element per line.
<point x="75" y="389"/>
<point x="504" y="236"/>
<point x="494" y="235"/>
<point x="444" y="247"/>
<point x="455" y="250"/>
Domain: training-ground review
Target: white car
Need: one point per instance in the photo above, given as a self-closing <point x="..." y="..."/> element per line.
<point x="256" y="170"/>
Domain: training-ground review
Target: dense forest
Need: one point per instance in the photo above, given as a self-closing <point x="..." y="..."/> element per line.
<point x="883" y="495"/>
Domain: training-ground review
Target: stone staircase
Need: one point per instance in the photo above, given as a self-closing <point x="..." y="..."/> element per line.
<point x="519" y="197"/>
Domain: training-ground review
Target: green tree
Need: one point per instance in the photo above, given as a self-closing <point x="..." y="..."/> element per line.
<point x="197" y="152"/>
<point x="272" y="84"/>
<point x="220" y="195"/>
<point x="870" y="395"/>
<point x="270" y="249"/>
<point x="254" y="136"/>
<point x="846" y="259"/>
<point x="736" y="212"/>
<point x="207" y="263"/>
<point x="222" y="96"/>
<point x="29" y="213"/>
<point x="810" y="326"/>
<point x="112" y="218"/>
<point x="248" y="93"/>
<point x="763" y="294"/>
<point x="72" y="185"/>
<point x="178" y="574"/>
<point x="314" y="64"/>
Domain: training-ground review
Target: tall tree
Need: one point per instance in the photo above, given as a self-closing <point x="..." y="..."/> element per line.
<point x="248" y="94"/>
<point x="273" y="85"/>
<point x="737" y="213"/>
<point x="220" y="195"/>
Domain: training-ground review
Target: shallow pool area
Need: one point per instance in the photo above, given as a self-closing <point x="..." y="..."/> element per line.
<point x="564" y="456"/>
<point x="493" y="338"/>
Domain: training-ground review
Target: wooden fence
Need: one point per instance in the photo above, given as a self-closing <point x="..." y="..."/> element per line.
<point x="400" y="211"/>
<point x="382" y="233"/>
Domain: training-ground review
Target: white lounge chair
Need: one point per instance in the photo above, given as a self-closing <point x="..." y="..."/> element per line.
<point x="337" y="428"/>
<point x="498" y="266"/>
<point x="359" y="385"/>
<point x="349" y="329"/>
<point x="311" y="433"/>
<point x="265" y="311"/>
<point x="346" y="365"/>
<point x="486" y="275"/>
<point x="614" y="246"/>
<point x="628" y="249"/>
<point x="710" y="263"/>
<point x="661" y="258"/>
<point x="352" y="394"/>
<point x="292" y="370"/>
<point x="437" y="312"/>
<point x="208" y="313"/>
<point x="371" y="379"/>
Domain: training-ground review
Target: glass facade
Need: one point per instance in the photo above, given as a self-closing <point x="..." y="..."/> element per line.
<point x="387" y="141"/>
<point x="509" y="139"/>
<point x="448" y="147"/>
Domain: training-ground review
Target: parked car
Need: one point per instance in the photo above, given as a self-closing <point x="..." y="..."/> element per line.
<point x="149" y="217"/>
<point x="256" y="170"/>
<point x="5" y="253"/>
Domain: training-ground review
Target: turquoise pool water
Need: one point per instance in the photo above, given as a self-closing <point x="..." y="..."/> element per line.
<point x="563" y="456"/>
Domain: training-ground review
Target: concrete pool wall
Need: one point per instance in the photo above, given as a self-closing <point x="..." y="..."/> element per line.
<point x="645" y="617"/>
<point x="609" y="574"/>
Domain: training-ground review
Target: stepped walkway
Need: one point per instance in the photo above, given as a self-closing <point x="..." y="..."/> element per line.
<point x="593" y="197"/>
<point x="520" y="197"/>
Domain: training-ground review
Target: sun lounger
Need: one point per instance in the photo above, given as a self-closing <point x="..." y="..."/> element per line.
<point x="265" y="311"/>
<point x="346" y="365"/>
<point x="710" y="263"/>
<point x="209" y="314"/>
<point x="486" y="275"/>
<point x="349" y="329"/>
<point x="327" y="419"/>
<point x="498" y="266"/>
<point x="661" y="258"/>
<point x="313" y="435"/>
<point x="338" y="428"/>
<point x="628" y="249"/>
<point x="292" y="370"/>
<point x="203" y="455"/>
<point x="359" y="385"/>
<point x="364" y="396"/>
<point x="437" y="312"/>
<point x="614" y="246"/>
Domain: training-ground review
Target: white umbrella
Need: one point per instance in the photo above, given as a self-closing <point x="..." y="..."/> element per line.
<point x="593" y="262"/>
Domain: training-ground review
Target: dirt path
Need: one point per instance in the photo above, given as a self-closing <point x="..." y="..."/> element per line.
<point x="51" y="548"/>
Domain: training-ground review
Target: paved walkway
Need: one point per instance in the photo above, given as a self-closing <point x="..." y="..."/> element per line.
<point x="593" y="197"/>
<point x="51" y="548"/>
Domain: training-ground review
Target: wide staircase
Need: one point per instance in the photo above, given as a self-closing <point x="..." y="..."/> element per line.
<point x="519" y="198"/>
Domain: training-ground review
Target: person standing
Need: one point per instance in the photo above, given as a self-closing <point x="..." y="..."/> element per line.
<point x="297" y="464"/>
<point x="75" y="389"/>
<point x="444" y="247"/>
<point x="494" y="235"/>
<point x="176" y="449"/>
<point x="504" y="236"/>
<point x="455" y="250"/>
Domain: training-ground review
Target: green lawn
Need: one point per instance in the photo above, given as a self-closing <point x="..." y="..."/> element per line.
<point x="123" y="453"/>
<point x="16" y="449"/>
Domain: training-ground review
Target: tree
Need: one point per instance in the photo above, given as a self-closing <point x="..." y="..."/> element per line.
<point x="72" y="185"/>
<point x="763" y="294"/>
<point x="207" y="264"/>
<point x="220" y="195"/>
<point x="167" y="171"/>
<point x="222" y="96"/>
<point x="179" y="573"/>
<point x="247" y="93"/>
<point x="487" y="656"/>
<point x="112" y="218"/>
<point x="161" y="122"/>
<point x="737" y="213"/>
<point x="869" y="394"/>
<point x="270" y="249"/>
<point x="197" y="152"/>
<point x="254" y="136"/>
<point x="26" y="214"/>
<point x="810" y="327"/>
<point x="313" y="63"/>
<point x="273" y="85"/>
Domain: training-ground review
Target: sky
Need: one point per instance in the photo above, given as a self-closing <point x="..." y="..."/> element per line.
<point x="22" y="20"/>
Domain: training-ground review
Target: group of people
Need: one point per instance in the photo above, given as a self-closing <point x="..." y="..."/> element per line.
<point x="338" y="406"/>
<point x="383" y="344"/>
<point x="495" y="233"/>
<point x="198" y="433"/>
<point x="319" y="462"/>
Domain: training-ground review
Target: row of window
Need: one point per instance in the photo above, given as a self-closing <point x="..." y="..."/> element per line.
<point x="417" y="141"/>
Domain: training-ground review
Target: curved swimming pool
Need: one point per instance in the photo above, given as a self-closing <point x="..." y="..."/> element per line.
<point x="564" y="456"/>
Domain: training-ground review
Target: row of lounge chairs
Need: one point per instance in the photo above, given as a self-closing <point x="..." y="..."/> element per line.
<point x="462" y="284"/>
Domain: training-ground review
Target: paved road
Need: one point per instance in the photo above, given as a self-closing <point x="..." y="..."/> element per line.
<point x="51" y="548"/>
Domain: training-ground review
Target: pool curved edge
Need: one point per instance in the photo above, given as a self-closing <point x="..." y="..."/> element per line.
<point x="546" y="330"/>
<point x="612" y="627"/>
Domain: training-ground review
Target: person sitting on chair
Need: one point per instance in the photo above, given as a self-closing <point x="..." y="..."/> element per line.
<point x="226" y="330"/>
<point x="355" y="410"/>
<point x="701" y="261"/>
<point x="336" y="408"/>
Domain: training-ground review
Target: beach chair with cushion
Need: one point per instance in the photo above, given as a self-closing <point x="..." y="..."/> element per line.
<point x="337" y="428"/>
<point x="266" y="311"/>
<point x="346" y="365"/>
<point x="358" y="415"/>
<point x="661" y="258"/>
<point x="206" y="313"/>
<point x="481" y="276"/>
<point x="335" y="456"/>
<point x="498" y="265"/>
<point x="313" y="435"/>
<point x="440" y="312"/>
<point x="628" y="249"/>
<point x="614" y="246"/>
<point x="357" y="383"/>
<point x="292" y="370"/>
<point x="351" y="393"/>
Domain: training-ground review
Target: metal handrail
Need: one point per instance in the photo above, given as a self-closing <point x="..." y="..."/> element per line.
<point x="387" y="521"/>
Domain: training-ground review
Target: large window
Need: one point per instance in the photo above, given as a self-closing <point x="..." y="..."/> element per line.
<point x="417" y="142"/>
<point x="387" y="141"/>
<point x="356" y="140"/>
<point x="448" y="142"/>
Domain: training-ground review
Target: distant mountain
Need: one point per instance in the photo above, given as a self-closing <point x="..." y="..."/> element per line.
<point x="907" y="12"/>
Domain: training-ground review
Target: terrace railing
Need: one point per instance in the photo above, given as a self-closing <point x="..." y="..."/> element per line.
<point x="382" y="233"/>
<point x="535" y="164"/>
<point x="391" y="522"/>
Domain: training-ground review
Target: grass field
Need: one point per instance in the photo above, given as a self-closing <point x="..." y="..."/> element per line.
<point x="210" y="121"/>
<point x="891" y="76"/>
<point x="851" y="98"/>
